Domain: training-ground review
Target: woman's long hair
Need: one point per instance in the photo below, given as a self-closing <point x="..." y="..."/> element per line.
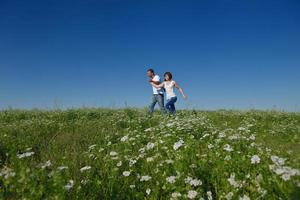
<point x="169" y="75"/>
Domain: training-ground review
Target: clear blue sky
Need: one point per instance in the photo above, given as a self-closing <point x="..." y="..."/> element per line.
<point x="225" y="54"/>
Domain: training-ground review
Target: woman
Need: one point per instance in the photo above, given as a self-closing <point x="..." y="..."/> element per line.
<point x="169" y="85"/>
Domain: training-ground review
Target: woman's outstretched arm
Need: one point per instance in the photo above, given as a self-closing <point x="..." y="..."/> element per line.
<point x="180" y="90"/>
<point x="158" y="85"/>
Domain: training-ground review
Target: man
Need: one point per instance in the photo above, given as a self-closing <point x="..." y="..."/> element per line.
<point x="158" y="94"/>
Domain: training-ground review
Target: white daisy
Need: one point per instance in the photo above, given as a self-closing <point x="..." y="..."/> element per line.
<point x="119" y="164"/>
<point x="145" y="178"/>
<point x="69" y="185"/>
<point x="209" y="195"/>
<point x="245" y="197"/>
<point x="229" y="196"/>
<point x="60" y="168"/>
<point x="176" y="195"/>
<point x="47" y="164"/>
<point x="171" y="179"/>
<point x="85" y="168"/>
<point x="228" y="148"/>
<point x="92" y="146"/>
<point x="192" y="194"/>
<point x="124" y="139"/>
<point x="195" y="182"/>
<point x="148" y="191"/>
<point x="255" y="159"/>
<point x="113" y="153"/>
<point x="178" y="144"/>
<point x="150" y="146"/>
<point x="24" y="155"/>
<point x="126" y="173"/>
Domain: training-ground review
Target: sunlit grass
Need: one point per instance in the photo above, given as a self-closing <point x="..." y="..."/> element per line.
<point x="127" y="154"/>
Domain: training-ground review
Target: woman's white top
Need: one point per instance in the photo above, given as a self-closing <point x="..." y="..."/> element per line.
<point x="169" y="86"/>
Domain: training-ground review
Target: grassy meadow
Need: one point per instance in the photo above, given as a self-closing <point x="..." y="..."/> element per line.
<point x="128" y="154"/>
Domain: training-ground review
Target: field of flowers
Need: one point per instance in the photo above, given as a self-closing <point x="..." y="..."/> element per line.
<point x="127" y="154"/>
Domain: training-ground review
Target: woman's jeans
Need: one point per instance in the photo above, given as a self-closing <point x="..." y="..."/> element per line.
<point x="170" y="106"/>
<point x="157" y="98"/>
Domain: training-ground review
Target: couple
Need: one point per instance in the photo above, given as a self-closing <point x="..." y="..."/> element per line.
<point x="158" y="92"/>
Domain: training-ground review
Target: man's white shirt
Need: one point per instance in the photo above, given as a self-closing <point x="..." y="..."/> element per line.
<point x="157" y="90"/>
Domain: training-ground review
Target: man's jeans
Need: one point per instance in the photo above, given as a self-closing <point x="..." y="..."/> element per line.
<point x="157" y="98"/>
<point x="170" y="106"/>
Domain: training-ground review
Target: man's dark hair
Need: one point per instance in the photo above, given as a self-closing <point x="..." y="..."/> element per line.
<point x="150" y="70"/>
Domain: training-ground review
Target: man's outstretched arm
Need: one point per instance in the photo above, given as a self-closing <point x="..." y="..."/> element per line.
<point x="155" y="82"/>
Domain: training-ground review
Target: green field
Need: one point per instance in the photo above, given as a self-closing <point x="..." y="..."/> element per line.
<point x="127" y="154"/>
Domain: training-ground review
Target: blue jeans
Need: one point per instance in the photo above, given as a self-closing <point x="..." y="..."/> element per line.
<point x="170" y="106"/>
<point x="157" y="98"/>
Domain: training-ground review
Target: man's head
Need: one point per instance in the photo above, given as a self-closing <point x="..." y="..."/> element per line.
<point x="150" y="73"/>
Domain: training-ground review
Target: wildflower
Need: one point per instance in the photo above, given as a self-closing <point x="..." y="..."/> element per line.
<point x="195" y="182"/>
<point x="150" y="159"/>
<point x="222" y="135"/>
<point x="115" y="158"/>
<point x="188" y="179"/>
<point x="142" y="150"/>
<point x="209" y="195"/>
<point x="210" y="146"/>
<point x="84" y="182"/>
<point x="24" y="155"/>
<point x="169" y="161"/>
<point x="175" y="195"/>
<point x="119" y="164"/>
<point x="69" y="185"/>
<point x="150" y="146"/>
<point x="178" y="144"/>
<point x="132" y="162"/>
<point x="228" y="148"/>
<point x="47" y="164"/>
<point x="277" y="160"/>
<point x="132" y="186"/>
<point x="124" y="139"/>
<point x="171" y="179"/>
<point x="229" y="196"/>
<point x="148" y="191"/>
<point x="7" y="172"/>
<point x="245" y="197"/>
<point x="92" y="146"/>
<point x="232" y="181"/>
<point x="113" y="153"/>
<point x="145" y="178"/>
<point x="85" y="168"/>
<point x="60" y="168"/>
<point x="255" y="159"/>
<point x="192" y="182"/>
<point x="126" y="173"/>
<point x="285" y="172"/>
<point x="228" y="157"/>
<point x="241" y="129"/>
<point x="192" y="194"/>
<point x="252" y="137"/>
<point x="193" y="166"/>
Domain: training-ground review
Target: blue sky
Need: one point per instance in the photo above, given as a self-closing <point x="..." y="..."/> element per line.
<point x="224" y="53"/>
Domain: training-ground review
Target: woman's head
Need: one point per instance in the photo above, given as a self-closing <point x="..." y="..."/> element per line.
<point x="168" y="76"/>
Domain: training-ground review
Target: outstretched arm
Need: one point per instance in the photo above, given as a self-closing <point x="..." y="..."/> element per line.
<point x="180" y="90"/>
<point x="157" y="85"/>
<point x="155" y="82"/>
